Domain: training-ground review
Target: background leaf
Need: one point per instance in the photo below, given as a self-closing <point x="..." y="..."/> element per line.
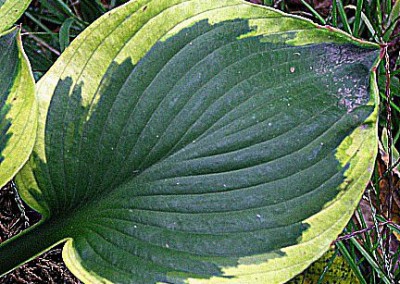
<point x="189" y="140"/>
<point x="18" y="109"/>
<point x="11" y="11"/>
<point x="64" y="34"/>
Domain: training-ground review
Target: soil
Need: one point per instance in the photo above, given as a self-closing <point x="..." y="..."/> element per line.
<point x="16" y="216"/>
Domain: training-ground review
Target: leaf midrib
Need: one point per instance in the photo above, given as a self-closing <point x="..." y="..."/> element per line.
<point x="126" y="41"/>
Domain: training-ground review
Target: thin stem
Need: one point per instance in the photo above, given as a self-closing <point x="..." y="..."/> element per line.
<point x="389" y="170"/>
<point x="359" y="232"/>
<point x="379" y="239"/>
<point x="42" y="26"/>
<point x="328" y="266"/>
<point x="42" y="42"/>
<point x="389" y="196"/>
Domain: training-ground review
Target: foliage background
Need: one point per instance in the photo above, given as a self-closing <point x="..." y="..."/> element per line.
<point x="367" y="251"/>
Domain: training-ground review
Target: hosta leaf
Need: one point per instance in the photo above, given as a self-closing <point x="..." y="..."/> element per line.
<point x="11" y="11"/>
<point x="18" y="109"/>
<point x="199" y="141"/>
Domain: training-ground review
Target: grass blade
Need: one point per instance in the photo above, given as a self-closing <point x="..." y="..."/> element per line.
<point x="315" y="13"/>
<point x="371" y="261"/>
<point x="346" y="254"/>
<point x="334" y="14"/>
<point x="357" y="18"/>
<point x="42" y="26"/>
<point x="328" y="266"/>
<point x="343" y="16"/>
<point x="378" y="12"/>
<point x="392" y="21"/>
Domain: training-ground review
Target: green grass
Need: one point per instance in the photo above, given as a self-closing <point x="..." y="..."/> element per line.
<point x="50" y="25"/>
